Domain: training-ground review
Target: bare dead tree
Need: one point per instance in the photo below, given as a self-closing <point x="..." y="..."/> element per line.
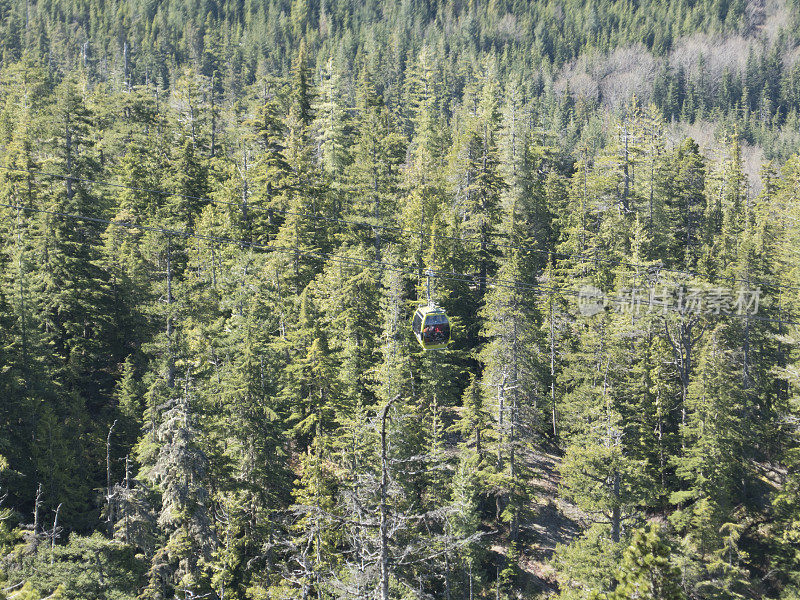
<point x="683" y="339"/>
<point x="36" y="506"/>
<point x="383" y="510"/>
<point x="55" y="532"/>
<point x="34" y="536"/>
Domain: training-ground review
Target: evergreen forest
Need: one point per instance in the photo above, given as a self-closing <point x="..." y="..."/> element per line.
<point x="218" y="217"/>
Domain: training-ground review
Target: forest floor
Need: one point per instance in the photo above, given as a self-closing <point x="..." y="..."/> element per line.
<point x="554" y="522"/>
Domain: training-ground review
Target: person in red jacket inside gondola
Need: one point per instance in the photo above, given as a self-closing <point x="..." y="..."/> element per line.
<point x="436" y="330"/>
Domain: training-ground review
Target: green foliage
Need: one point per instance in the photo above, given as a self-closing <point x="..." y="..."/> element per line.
<point x="211" y="398"/>
<point x="84" y="568"/>
<point x="646" y="571"/>
<point x="587" y="565"/>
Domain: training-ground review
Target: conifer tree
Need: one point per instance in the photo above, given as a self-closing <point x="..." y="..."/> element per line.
<point x="786" y="501"/>
<point x="189" y="185"/>
<point x="464" y="522"/>
<point x="271" y="173"/>
<point x="713" y="468"/>
<point x="310" y="387"/>
<point x="646" y="571"/>
<point x="301" y="112"/>
<point x="603" y="469"/>
<point x="477" y="181"/>
<point x="511" y="372"/>
<point x="374" y="172"/>
<point x="26" y="362"/>
<point x="179" y="471"/>
<point x="682" y="184"/>
<point x="72" y="293"/>
<point x="336" y="128"/>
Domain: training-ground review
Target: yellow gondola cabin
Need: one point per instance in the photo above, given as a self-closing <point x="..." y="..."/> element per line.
<point x="432" y="327"/>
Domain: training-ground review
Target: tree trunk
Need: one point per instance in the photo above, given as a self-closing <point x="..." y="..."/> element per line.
<point x="553" y="367"/>
<point x="626" y="191"/>
<point x="213" y="115"/>
<point x="68" y="141"/>
<point x="500" y="499"/>
<point x="23" y="323"/>
<point x="170" y="356"/>
<point x="384" y="520"/>
<point x="37" y="504"/>
<point x="447" y="575"/>
<point x="616" y="517"/>
<point x="109" y="493"/>
<point x="127" y="495"/>
<point x="55" y="530"/>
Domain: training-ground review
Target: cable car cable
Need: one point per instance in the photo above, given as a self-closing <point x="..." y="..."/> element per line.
<point x="353" y="261"/>
<point x="402" y="230"/>
<point x="408" y="269"/>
